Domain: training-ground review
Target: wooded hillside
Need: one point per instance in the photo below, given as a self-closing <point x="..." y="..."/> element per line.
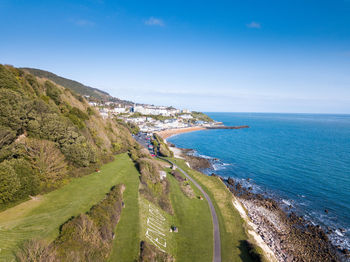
<point x="48" y="134"/>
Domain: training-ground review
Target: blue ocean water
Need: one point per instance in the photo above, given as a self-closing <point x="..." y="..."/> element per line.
<point x="299" y="159"/>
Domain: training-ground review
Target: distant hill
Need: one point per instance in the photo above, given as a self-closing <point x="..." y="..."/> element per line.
<point x="75" y="86"/>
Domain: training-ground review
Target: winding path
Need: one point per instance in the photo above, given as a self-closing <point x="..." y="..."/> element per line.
<point x="217" y="243"/>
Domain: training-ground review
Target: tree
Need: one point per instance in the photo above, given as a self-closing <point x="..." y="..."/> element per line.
<point x="9" y="182"/>
<point x="7" y="135"/>
<point x="47" y="159"/>
<point x="27" y="176"/>
<point x="12" y="109"/>
<point x="53" y="92"/>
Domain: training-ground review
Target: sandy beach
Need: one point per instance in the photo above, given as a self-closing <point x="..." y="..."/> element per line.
<point x="170" y="132"/>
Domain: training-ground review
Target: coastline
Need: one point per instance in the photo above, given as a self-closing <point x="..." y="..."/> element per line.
<point x="175" y="131"/>
<point x="171" y="132"/>
<point x="285" y="235"/>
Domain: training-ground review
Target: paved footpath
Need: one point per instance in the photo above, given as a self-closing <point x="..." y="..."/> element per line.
<point x="217" y="243"/>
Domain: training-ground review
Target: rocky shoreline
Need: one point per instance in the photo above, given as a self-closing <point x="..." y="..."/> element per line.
<point x="289" y="236"/>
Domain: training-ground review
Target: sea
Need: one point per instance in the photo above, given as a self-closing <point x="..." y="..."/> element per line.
<point x="301" y="160"/>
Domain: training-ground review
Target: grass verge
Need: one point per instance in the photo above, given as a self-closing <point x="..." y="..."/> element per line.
<point x="42" y="218"/>
<point x="232" y="231"/>
<point x="126" y="244"/>
<point x="193" y="219"/>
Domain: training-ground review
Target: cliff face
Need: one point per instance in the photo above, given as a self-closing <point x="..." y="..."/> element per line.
<point x="48" y="133"/>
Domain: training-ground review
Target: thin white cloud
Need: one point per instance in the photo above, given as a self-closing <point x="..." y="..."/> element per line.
<point x="152" y="21"/>
<point x="254" y="25"/>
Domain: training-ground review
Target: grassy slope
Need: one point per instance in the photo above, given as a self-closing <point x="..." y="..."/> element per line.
<point x="42" y="218"/>
<point x="192" y="217"/>
<point x="232" y="231"/>
<point x="126" y="242"/>
<point x="144" y="214"/>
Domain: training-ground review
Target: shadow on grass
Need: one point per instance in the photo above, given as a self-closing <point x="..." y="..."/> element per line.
<point x="248" y="252"/>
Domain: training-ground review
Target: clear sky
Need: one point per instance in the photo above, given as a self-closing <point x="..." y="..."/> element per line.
<point x="251" y="56"/>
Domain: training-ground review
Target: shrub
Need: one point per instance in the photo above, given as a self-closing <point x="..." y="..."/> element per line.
<point x="36" y="251"/>
<point x="149" y="253"/>
<point x="154" y="189"/>
<point x="7" y="136"/>
<point x="33" y="83"/>
<point x="79" y="240"/>
<point x="159" y="145"/>
<point x="53" y="92"/>
<point x="29" y="179"/>
<point x="7" y="79"/>
<point x="90" y="111"/>
<point x="149" y="170"/>
<point x="89" y="237"/>
<point x="12" y="109"/>
<point x="77" y="117"/>
<point x="80" y="154"/>
<point x="80" y="114"/>
<point x="9" y="183"/>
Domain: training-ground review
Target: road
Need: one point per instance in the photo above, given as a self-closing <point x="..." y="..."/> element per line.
<point x="217" y="243"/>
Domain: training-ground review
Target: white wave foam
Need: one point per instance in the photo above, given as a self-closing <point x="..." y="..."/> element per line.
<point x="339" y="233"/>
<point x="288" y="203"/>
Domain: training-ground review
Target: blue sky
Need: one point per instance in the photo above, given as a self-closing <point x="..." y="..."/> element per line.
<point x="250" y="56"/>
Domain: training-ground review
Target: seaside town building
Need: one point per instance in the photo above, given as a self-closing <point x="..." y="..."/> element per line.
<point x="148" y="118"/>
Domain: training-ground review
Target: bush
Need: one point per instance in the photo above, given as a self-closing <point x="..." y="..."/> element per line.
<point x="150" y="253"/>
<point x="29" y="179"/>
<point x="53" y="92"/>
<point x="149" y="170"/>
<point x="154" y="189"/>
<point x="33" y="83"/>
<point x="79" y="240"/>
<point x="89" y="237"/>
<point x="36" y="251"/>
<point x="161" y="147"/>
<point x="9" y="183"/>
<point x="80" y="114"/>
<point x="90" y="111"/>
<point x="7" y="136"/>
<point x="7" y="79"/>
<point x="80" y="154"/>
<point x="77" y="117"/>
<point x="12" y="109"/>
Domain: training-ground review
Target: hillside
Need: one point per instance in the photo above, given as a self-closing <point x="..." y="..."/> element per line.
<point x="75" y="86"/>
<point x="49" y="134"/>
<point x="77" y="187"/>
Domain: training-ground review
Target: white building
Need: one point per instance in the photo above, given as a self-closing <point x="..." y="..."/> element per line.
<point x="93" y="104"/>
<point x="119" y="110"/>
<point x="104" y="113"/>
<point x="186" y="116"/>
<point x="154" y="110"/>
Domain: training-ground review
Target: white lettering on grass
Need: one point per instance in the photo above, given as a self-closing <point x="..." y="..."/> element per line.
<point x="155" y="231"/>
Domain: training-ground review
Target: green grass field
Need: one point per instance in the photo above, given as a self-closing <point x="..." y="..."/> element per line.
<point x="41" y="218"/>
<point x="126" y="244"/>
<point x="232" y="232"/>
<point x="194" y="241"/>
